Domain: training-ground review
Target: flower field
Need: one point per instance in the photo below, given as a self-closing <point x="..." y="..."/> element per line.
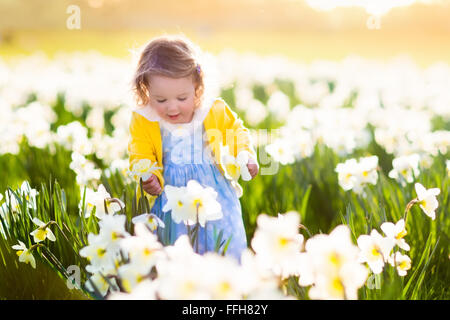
<point x="351" y="202"/>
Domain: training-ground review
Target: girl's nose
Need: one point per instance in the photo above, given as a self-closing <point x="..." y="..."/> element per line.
<point x="172" y="108"/>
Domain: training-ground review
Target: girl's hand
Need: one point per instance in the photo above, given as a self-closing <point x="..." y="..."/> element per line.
<point x="152" y="186"/>
<point x="252" y="167"/>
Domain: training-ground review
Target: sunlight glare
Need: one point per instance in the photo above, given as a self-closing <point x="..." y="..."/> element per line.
<point x="374" y="7"/>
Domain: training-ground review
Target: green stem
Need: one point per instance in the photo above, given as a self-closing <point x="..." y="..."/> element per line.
<point x="67" y="239"/>
<point x="408" y="207"/>
<point x="301" y="226"/>
<point x="47" y="224"/>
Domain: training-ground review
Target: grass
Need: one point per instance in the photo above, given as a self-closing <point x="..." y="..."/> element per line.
<point x="309" y="186"/>
<point x="21" y="282"/>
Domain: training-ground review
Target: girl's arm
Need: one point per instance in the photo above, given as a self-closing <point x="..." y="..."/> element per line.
<point x="141" y="146"/>
<point x="237" y="136"/>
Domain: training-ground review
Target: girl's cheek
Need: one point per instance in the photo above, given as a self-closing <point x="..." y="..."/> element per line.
<point x="189" y="106"/>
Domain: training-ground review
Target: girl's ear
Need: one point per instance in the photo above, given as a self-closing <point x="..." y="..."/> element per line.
<point x="197" y="99"/>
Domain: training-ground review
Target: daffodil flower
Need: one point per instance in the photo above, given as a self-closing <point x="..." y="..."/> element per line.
<point x="112" y="205"/>
<point x="29" y="193"/>
<point x="282" y="151"/>
<point x="235" y="167"/>
<point x="144" y="290"/>
<point x="201" y="203"/>
<point x="150" y="220"/>
<point x="100" y="283"/>
<point x="330" y="263"/>
<point x="401" y="262"/>
<point x="375" y="250"/>
<point x="24" y="254"/>
<point x="112" y="230"/>
<point x="143" y="169"/>
<point x="224" y="279"/>
<point x="97" y="199"/>
<point x="405" y="168"/>
<point x="130" y="276"/>
<point x="96" y="252"/>
<point x="367" y="170"/>
<point x="176" y="202"/>
<point x="427" y="199"/>
<point x="11" y="203"/>
<point x="396" y="232"/>
<point x="143" y="249"/>
<point x="346" y="174"/>
<point x="353" y="174"/>
<point x="192" y="204"/>
<point x="277" y="242"/>
<point x="43" y="232"/>
<point x="85" y="170"/>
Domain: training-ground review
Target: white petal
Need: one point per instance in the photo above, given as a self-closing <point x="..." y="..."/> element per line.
<point x="364" y="241"/>
<point x="400" y="224"/>
<point x="32" y="261"/>
<point x="237" y="187"/>
<point x="38" y="222"/>
<point x="403" y="245"/>
<point x="434" y="191"/>
<point x="140" y="219"/>
<point x="388" y="229"/>
<point x="242" y="157"/>
<point x="50" y="235"/>
<point x="420" y="190"/>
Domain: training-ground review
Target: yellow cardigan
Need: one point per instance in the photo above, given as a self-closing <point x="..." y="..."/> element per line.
<point x="222" y="127"/>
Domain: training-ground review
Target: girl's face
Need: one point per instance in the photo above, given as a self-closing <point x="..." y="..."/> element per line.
<point x="173" y="99"/>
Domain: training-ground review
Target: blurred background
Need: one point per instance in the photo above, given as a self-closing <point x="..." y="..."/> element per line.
<point x="303" y="30"/>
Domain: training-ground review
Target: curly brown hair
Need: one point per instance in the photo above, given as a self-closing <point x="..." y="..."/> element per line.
<point x="173" y="56"/>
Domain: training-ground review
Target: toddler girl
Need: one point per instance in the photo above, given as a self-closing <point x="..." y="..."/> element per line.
<point x="182" y="129"/>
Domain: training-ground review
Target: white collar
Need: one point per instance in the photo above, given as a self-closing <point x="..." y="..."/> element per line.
<point x="199" y="115"/>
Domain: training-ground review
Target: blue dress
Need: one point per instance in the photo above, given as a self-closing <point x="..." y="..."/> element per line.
<point x="187" y="157"/>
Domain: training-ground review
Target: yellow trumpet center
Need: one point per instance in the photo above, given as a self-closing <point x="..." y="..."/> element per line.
<point x="375" y="252"/>
<point x="197" y="203"/>
<point x="283" y="242"/>
<point x="115" y="236"/>
<point x="337" y="287"/>
<point x="224" y="287"/>
<point x="404" y="265"/>
<point x="401" y="234"/>
<point x="188" y="287"/>
<point x="233" y="170"/>
<point x="41" y="234"/>
<point x="147" y="252"/>
<point x="335" y="259"/>
<point x="101" y="252"/>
